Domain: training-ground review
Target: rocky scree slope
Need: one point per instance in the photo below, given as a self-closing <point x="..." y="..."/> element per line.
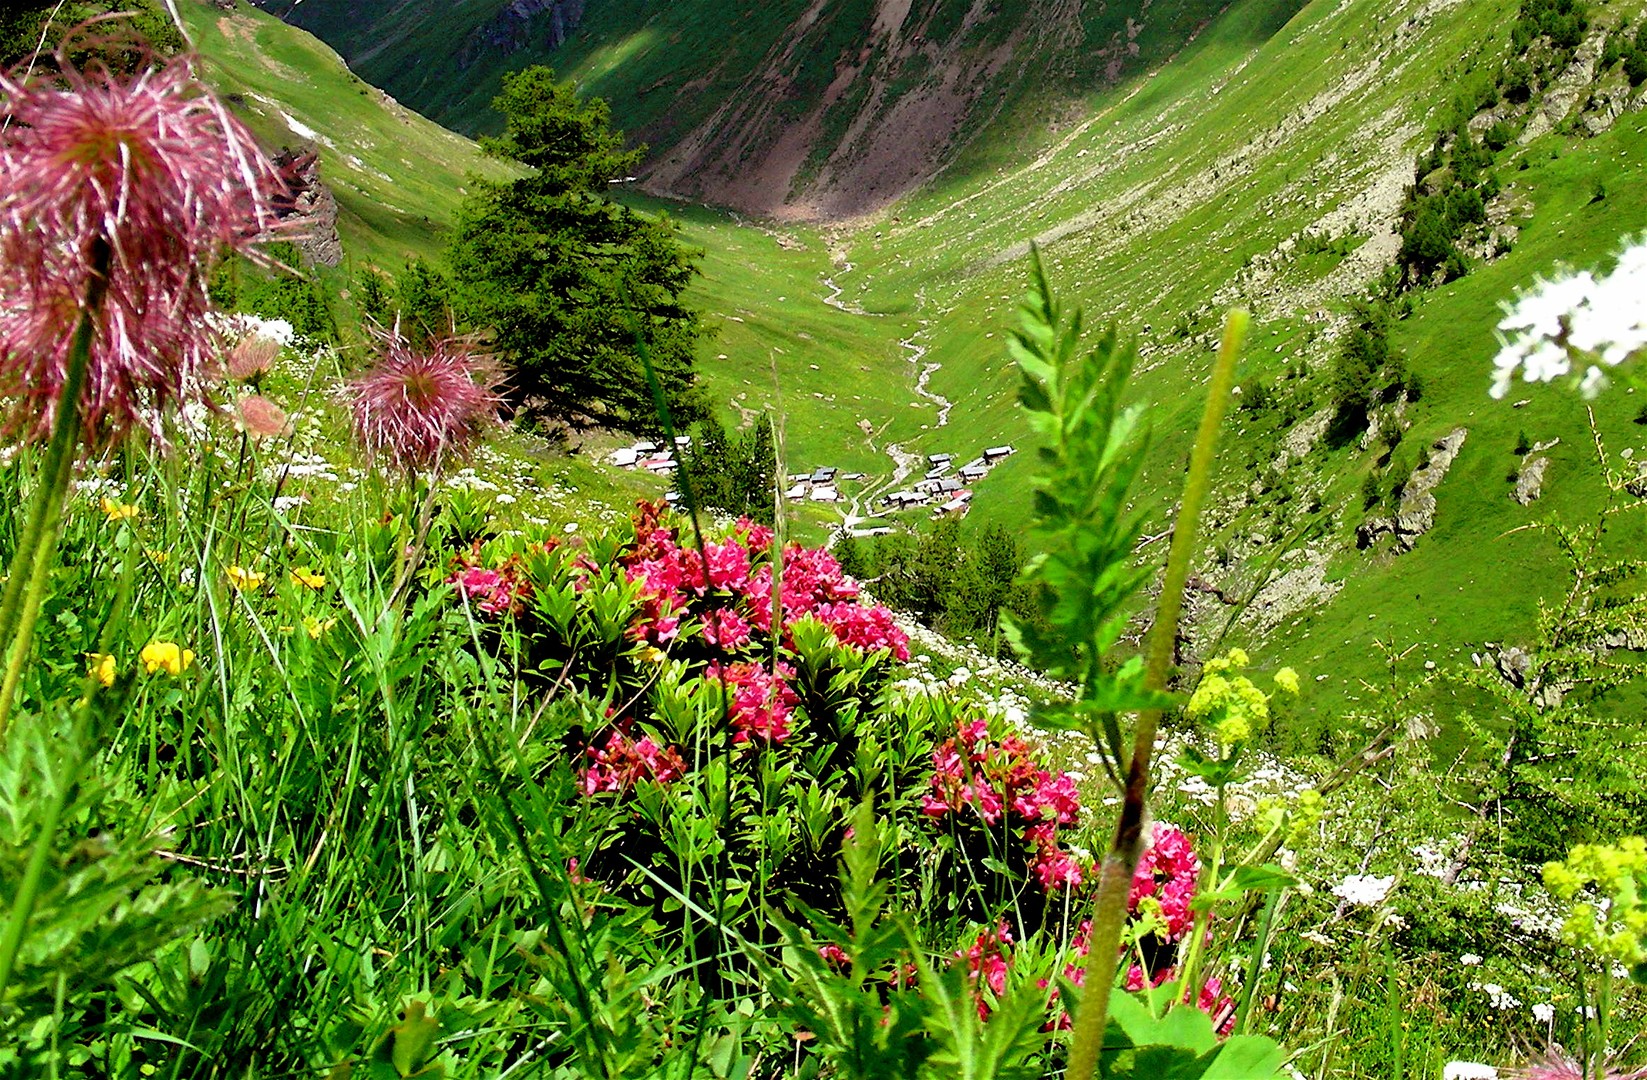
<point x="796" y="109"/>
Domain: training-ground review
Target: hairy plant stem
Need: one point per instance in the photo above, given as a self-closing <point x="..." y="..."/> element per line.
<point x="1115" y="878"/>
<point x="37" y="546"/>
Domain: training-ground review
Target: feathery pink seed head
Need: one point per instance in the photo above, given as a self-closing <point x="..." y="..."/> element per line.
<point x="144" y="180"/>
<point x="413" y="408"/>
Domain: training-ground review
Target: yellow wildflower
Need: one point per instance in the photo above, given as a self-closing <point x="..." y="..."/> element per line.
<point x="1287" y="679"/>
<point x="166" y="656"/>
<point x="302" y="575"/>
<point x="245" y="580"/>
<point x="101" y="667"/>
<point x="315" y="627"/>
<point x="118" y="511"/>
<point x="157" y="556"/>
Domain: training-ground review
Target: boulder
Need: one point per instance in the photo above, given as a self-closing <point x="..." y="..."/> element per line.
<point x="1530" y="481"/>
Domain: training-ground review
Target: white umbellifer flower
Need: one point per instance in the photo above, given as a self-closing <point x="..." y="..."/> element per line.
<point x="1470" y="959"/>
<point x="1364" y="890"/>
<point x="1544" y="1012"/>
<point x="1468" y="1070"/>
<point x="1579" y="316"/>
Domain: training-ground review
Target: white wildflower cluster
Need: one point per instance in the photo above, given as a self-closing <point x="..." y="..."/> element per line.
<point x="244" y="324"/>
<point x="1364" y="890"/>
<point x="1266" y="781"/>
<point x="301" y="466"/>
<point x="466" y="479"/>
<point x="1498" y="997"/>
<point x="1577" y="318"/>
<point x="96" y="487"/>
<point x="1468" y="1070"/>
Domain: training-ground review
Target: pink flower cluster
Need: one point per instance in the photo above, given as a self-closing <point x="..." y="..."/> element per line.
<point x="624" y="762"/>
<point x="1002" y="780"/>
<point x="761" y="700"/>
<point x="728" y="588"/>
<point x="501" y="590"/>
<point x="1166" y="875"/>
<point x="1212" y="1000"/>
<point x="987" y="964"/>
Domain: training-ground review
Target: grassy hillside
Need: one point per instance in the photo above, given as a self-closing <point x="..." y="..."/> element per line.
<point x="1166" y="199"/>
<point x="398" y="177"/>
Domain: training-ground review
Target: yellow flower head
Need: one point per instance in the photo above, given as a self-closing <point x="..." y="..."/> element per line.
<point x="302" y="575"/>
<point x="118" y="511"/>
<point x="315" y="627"/>
<point x="166" y="656"/>
<point x="243" y="579"/>
<point x="157" y="556"/>
<point x="1287" y="680"/>
<point x="101" y="667"/>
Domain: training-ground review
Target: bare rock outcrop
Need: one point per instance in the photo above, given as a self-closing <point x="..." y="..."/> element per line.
<point x="512" y="29"/>
<point x="1415" y="514"/>
<point x="309" y="207"/>
<point x="1530" y="481"/>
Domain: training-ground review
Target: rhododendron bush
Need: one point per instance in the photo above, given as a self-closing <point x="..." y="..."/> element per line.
<point x="731" y="680"/>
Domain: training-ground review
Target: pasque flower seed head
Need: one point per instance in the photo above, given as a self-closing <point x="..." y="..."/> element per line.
<point x="117" y="196"/>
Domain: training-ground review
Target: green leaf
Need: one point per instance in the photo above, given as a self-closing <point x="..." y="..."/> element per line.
<point x="1247" y="1057"/>
<point x="1247" y="879"/>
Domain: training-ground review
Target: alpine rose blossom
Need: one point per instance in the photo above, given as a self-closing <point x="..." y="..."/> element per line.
<point x="117" y="196"/>
<point x="1165" y="879"/>
<point x="416" y="407"/>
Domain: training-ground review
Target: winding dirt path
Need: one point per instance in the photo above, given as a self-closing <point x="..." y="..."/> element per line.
<point x="860" y="508"/>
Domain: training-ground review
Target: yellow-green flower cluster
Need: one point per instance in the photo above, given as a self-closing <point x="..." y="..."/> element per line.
<point x="1618" y="930"/>
<point x="1298" y="816"/>
<point x="1235" y="706"/>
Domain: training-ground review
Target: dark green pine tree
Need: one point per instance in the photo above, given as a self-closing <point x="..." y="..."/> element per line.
<point x="570" y="284"/>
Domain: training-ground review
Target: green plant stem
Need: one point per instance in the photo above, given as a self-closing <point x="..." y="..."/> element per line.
<point x="1115" y="879"/>
<point x="1189" y="979"/>
<point x="1255" y="966"/>
<point x="37" y="547"/>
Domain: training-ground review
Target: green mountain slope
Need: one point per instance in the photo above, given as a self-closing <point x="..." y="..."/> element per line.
<point x="398" y="178"/>
<point x="1264" y="164"/>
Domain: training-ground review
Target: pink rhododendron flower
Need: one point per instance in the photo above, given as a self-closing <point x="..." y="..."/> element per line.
<point x="757" y="538"/>
<point x="493" y="591"/>
<point x="986" y="964"/>
<point x="996" y="780"/>
<point x="867" y="628"/>
<point x="415" y="407"/>
<point x="761" y="700"/>
<point x="1056" y="869"/>
<point x="726" y="629"/>
<point x="1167" y="873"/>
<point x="117" y="196"/>
<point x="624" y="762"/>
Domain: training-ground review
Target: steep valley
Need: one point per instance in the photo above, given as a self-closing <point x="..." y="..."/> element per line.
<point x="1259" y="155"/>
